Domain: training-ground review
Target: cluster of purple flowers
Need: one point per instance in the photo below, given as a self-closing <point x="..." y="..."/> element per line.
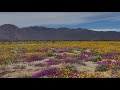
<point x="53" y="62"/>
<point x="104" y="63"/>
<point x="117" y="63"/>
<point x="83" y="57"/>
<point x="108" y="63"/>
<point x="110" y="56"/>
<point x="49" y="71"/>
<point x="61" y="50"/>
<point x="61" y="56"/>
<point x="34" y="58"/>
<point x="72" y="60"/>
<point x="86" y="55"/>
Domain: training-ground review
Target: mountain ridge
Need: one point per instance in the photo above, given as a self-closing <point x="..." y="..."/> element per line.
<point x="10" y="32"/>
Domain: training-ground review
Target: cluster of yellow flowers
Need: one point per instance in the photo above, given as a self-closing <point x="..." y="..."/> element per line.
<point x="95" y="46"/>
<point x="98" y="46"/>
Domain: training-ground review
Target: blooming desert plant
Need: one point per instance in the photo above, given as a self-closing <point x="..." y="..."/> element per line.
<point x="48" y="71"/>
<point x="35" y="58"/>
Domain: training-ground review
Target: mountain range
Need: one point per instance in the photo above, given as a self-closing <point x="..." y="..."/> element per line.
<point x="10" y="32"/>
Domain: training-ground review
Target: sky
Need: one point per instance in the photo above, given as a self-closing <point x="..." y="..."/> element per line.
<point x="99" y="21"/>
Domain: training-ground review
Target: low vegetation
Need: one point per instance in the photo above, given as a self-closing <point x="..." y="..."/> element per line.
<point x="60" y="59"/>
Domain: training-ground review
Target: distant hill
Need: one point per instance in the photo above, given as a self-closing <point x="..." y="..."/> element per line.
<point x="9" y="32"/>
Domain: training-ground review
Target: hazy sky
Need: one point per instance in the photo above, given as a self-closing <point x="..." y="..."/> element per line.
<point x="95" y="20"/>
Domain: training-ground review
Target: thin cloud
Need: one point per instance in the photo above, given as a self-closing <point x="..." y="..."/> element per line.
<point x="23" y="19"/>
<point x="106" y="30"/>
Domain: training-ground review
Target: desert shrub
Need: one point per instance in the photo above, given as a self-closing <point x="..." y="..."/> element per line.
<point x="101" y="68"/>
<point x="96" y="59"/>
<point x="50" y="54"/>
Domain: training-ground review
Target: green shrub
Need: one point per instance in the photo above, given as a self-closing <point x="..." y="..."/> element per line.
<point x="50" y="55"/>
<point x="101" y="68"/>
<point x="96" y="59"/>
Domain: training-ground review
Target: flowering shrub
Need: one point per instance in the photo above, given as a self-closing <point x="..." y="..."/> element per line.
<point x="49" y="71"/>
<point x="109" y="63"/>
<point x="55" y="72"/>
<point x="53" y="62"/>
<point x="110" y="56"/>
<point x="71" y="60"/>
<point x="35" y="58"/>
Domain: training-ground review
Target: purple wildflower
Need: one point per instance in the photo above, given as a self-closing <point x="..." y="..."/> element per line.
<point x="83" y="57"/>
<point x="104" y="63"/>
<point x="35" y="58"/>
<point x="117" y="63"/>
<point x="72" y="60"/>
<point x="61" y="50"/>
<point x="61" y="56"/>
<point x="109" y="56"/>
<point x="49" y="71"/>
<point x="53" y="62"/>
